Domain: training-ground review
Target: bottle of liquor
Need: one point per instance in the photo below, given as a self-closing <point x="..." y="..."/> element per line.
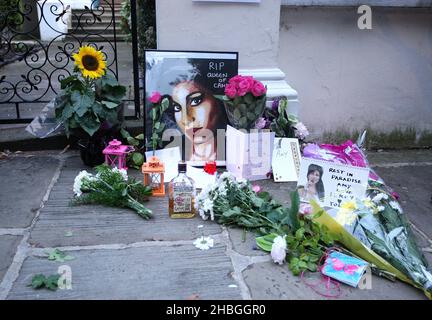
<point x="182" y="195"/>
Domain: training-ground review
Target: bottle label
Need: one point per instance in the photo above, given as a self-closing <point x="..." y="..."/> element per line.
<point x="183" y="199"/>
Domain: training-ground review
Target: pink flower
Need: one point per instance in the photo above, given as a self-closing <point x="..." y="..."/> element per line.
<point x="230" y="91"/>
<point x="256" y="188"/>
<point x="241" y="92"/>
<point x="258" y="89"/>
<point x="301" y="131"/>
<point x="245" y="85"/>
<point x="235" y="80"/>
<point x="155" y="97"/>
<point x="305" y="208"/>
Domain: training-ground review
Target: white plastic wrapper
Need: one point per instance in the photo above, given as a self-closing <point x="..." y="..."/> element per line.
<point x="46" y="124"/>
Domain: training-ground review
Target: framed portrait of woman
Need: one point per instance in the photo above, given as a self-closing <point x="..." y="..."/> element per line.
<point x="195" y="120"/>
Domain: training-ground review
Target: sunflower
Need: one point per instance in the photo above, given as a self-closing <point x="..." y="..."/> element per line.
<point x="90" y="61"/>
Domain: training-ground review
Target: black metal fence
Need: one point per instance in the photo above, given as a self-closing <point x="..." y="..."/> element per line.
<point x="40" y="36"/>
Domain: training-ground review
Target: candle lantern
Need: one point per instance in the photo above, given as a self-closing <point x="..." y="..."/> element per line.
<point x="154" y="171"/>
<point x="115" y="154"/>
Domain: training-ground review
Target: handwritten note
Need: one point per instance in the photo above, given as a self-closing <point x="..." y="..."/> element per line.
<point x="286" y="160"/>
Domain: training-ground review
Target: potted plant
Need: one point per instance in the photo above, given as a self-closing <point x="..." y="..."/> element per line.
<point x="90" y="104"/>
<point x="248" y="149"/>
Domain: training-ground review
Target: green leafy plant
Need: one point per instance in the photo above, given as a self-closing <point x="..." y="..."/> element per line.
<point x="306" y="240"/>
<point x="40" y="281"/>
<point x="231" y="202"/>
<point x="134" y="159"/>
<point x="59" y="256"/>
<point x="281" y="123"/>
<point x="87" y="104"/>
<point x="10" y="15"/>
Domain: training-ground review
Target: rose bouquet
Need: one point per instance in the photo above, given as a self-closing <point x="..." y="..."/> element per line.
<point x="111" y="187"/>
<point x="244" y="101"/>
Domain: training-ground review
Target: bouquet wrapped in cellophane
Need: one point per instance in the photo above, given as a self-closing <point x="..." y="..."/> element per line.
<point x="374" y="228"/>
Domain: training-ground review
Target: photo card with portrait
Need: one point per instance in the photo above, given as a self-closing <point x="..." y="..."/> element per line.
<point x="331" y="184"/>
<point x="195" y="120"/>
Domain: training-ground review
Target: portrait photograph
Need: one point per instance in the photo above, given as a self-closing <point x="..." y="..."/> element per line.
<point x="190" y="80"/>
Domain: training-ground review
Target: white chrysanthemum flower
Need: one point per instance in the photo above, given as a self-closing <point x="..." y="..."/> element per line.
<point x="278" y="250"/>
<point x="395" y="206"/>
<point x="204" y="243"/>
<point x="222" y="189"/>
<point x="79" y="180"/>
<point x="379" y="197"/>
<point x="380" y="208"/>
<point x="123" y="173"/>
<point x="368" y="203"/>
<point x="226" y="176"/>
<point x="207" y="204"/>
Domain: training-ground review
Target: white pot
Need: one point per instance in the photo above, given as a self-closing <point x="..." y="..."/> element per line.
<point x="248" y="155"/>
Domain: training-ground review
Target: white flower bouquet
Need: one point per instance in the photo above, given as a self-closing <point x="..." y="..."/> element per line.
<point x="111" y="187"/>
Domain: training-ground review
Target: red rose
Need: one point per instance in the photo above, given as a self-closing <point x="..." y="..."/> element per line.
<point x="210" y="167"/>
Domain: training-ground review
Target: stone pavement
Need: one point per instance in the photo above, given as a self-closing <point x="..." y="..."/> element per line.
<point x="121" y="256"/>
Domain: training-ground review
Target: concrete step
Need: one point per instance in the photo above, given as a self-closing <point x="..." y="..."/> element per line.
<point x="97" y="37"/>
<point x="96" y="30"/>
<point x="98" y="25"/>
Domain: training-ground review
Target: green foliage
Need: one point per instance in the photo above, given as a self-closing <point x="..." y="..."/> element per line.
<point x="59" y="256"/>
<point x="109" y="188"/>
<point x="87" y="104"/>
<point x="306" y="240"/>
<point x="40" y="281"/>
<point x="158" y="127"/>
<point x="265" y="242"/>
<point x="10" y="15"/>
<point x="281" y="123"/>
<point x="244" y="111"/>
<point x="307" y="245"/>
<point x="134" y="159"/>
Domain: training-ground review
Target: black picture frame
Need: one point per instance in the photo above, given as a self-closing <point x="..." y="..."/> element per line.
<point x="171" y="72"/>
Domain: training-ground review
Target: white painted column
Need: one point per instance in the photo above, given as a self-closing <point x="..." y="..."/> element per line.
<point x="252" y="29"/>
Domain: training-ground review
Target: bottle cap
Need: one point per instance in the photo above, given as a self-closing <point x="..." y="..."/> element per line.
<point x="182" y="166"/>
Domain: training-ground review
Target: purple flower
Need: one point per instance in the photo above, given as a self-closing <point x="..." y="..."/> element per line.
<point x="260" y="123"/>
<point x="275" y="104"/>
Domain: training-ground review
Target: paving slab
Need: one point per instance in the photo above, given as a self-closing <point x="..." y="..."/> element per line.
<point x="268" y="281"/>
<point x="160" y="272"/>
<point x="244" y="242"/>
<point x="24" y="183"/>
<point x="8" y="246"/>
<point x="414" y="185"/>
<point x="94" y="225"/>
<point x="403" y="156"/>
